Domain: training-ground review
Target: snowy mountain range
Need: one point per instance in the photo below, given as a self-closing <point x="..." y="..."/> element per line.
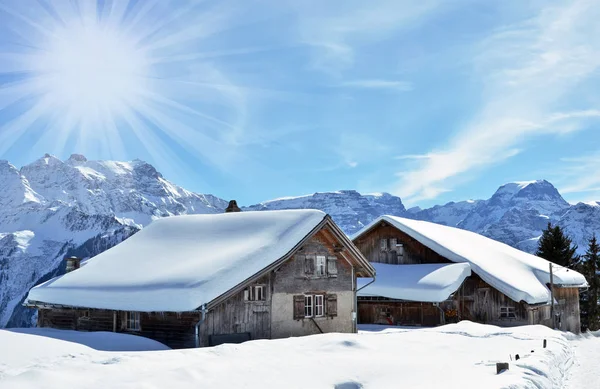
<point x="50" y="209"/>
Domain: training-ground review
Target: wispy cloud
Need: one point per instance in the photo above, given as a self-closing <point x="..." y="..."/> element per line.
<point x="526" y="71"/>
<point x="377" y="84"/>
<point x="580" y="175"/>
<point x="335" y="30"/>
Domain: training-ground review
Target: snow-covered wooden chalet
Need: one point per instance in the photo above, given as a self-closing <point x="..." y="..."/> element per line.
<point x="202" y="280"/>
<point x="430" y="274"/>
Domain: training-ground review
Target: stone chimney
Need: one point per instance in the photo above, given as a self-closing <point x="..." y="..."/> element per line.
<point x="233" y="207"/>
<point x="73" y="263"/>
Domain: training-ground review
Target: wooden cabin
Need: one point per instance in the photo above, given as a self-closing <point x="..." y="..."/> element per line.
<point x="203" y="280"/>
<point x="506" y="287"/>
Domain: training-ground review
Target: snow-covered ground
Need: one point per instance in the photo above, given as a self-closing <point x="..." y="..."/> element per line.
<point x="585" y="372"/>
<point x="460" y="355"/>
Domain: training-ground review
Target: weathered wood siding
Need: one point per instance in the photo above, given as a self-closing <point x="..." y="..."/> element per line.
<point x="567" y="309"/>
<point x="475" y="300"/>
<point x="413" y="251"/>
<point x="236" y="316"/>
<point x="291" y="279"/>
<point x="478" y="301"/>
<point x="398" y="313"/>
<point x="175" y="330"/>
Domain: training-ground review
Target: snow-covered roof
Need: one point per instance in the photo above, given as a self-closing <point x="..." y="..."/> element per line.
<point x="517" y="274"/>
<point x="431" y="282"/>
<point x="181" y="262"/>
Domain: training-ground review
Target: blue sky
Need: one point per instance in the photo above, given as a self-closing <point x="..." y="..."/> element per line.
<point x="432" y="100"/>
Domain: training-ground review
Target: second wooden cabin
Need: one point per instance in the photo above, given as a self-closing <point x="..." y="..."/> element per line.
<point x="429" y="274"/>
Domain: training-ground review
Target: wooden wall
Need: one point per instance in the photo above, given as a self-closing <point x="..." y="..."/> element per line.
<point x="175" y="330"/>
<point x="567" y="309"/>
<point x="291" y="279"/>
<point x="414" y="252"/>
<point x="236" y="316"/>
<point x="398" y="313"/>
<point x="479" y="302"/>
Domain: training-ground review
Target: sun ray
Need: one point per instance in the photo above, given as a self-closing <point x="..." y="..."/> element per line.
<point x="12" y="131"/>
<point x="90" y="74"/>
<point x="27" y="20"/>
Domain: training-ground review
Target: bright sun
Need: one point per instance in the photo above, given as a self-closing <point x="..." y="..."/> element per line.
<point x="102" y="76"/>
<point x="91" y="69"/>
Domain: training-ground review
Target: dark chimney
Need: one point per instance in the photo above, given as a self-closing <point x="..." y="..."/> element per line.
<point x="233" y="207"/>
<point x="72" y="263"/>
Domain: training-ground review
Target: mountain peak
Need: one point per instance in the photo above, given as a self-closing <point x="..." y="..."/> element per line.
<point x="77" y="158"/>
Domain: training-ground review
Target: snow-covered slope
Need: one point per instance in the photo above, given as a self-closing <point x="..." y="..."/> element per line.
<point x="462" y="355"/>
<point x="50" y="209"/>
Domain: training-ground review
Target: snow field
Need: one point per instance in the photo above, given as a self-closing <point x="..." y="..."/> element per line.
<point x="462" y="355"/>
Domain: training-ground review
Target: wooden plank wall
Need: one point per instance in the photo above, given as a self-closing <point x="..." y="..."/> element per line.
<point x="414" y="252"/>
<point x="398" y="313"/>
<point x="236" y="315"/>
<point x="479" y="302"/>
<point x="567" y="309"/>
<point x="175" y="330"/>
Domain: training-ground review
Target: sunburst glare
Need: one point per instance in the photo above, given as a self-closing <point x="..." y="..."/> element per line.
<point x="95" y="72"/>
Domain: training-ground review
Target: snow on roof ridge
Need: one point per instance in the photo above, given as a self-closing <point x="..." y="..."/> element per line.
<point x="517" y="274"/>
<point x="179" y="263"/>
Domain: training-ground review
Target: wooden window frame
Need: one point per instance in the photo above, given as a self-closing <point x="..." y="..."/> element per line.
<point x="316" y="305"/>
<point x="309" y="305"/>
<point x="133" y="323"/>
<point x="506" y="312"/>
<point x="255" y="293"/>
<point x="383" y="244"/>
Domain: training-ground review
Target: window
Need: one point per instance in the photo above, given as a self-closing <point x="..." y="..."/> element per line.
<point x="132" y="322"/>
<point x="320" y="265"/>
<point x="508" y="313"/>
<point x="393" y="243"/>
<point x="383" y="244"/>
<point x="318" y="305"/>
<point x="308" y="306"/>
<point x="255" y="293"/>
<point x="400" y="249"/>
<point x="314" y="305"/>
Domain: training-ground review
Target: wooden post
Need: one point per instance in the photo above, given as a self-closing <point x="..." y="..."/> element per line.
<point x="544" y="343"/>
<point x="114" y="321"/>
<point x="552" y="296"/>
<point x="501" y="366"/>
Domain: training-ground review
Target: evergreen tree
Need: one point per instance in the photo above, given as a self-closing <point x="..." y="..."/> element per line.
<point x="590" y="310"/>
<point x="557" y="247"/>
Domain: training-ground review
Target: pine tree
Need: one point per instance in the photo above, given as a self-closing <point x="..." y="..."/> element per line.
<point x="557" y="247"/>
<point x="590" y="310"/>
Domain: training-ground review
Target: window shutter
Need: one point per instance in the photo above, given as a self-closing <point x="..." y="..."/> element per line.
<point x="309" y="265"/>
<point x="331" y="304"/>
<point x="384" y="244"/>
<point x="332" y="265"/>
<point x="299" y="306"/>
